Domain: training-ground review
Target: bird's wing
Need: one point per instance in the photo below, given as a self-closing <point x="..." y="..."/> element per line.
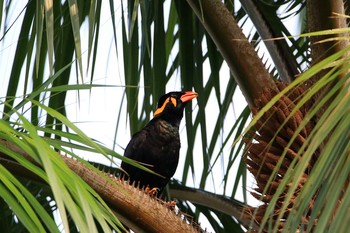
<point x="156" y="150"/>
<point x="134" y="150"/>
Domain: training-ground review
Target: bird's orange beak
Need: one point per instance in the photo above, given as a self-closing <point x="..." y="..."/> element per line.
<point x="189" y="95"/>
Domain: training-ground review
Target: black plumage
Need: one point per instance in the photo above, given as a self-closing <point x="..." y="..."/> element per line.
<point x="157" y="145"/>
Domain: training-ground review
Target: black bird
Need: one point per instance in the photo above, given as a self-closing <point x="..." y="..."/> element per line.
<point x="157" y="145"/>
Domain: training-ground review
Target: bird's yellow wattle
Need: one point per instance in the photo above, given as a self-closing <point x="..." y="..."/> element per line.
<point x="161" y="109"/>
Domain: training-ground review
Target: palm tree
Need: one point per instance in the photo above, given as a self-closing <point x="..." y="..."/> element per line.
<point x="296" y="146"/>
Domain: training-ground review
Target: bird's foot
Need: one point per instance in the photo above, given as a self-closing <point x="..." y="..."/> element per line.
<point x="170" y="204"/>
<point x="152" y="192"/>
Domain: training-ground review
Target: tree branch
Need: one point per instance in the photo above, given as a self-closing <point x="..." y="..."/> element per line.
<point x="321" y="17"/>
<point x="245" y="65"/>
<point x="220" y="203"/>
<point x="285" y="63"/>
<point x="137" y="209"/>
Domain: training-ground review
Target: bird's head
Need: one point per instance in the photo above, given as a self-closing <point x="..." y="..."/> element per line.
<point x="171" y="105"/>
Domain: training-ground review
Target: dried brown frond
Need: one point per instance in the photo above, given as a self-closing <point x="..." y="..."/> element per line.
<point x="266" y="145"/>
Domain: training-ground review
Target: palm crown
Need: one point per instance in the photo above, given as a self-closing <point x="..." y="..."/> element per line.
<point x="296" y="146"/>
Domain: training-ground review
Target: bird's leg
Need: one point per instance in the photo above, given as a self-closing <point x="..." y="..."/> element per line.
<point x="152" y="192"/>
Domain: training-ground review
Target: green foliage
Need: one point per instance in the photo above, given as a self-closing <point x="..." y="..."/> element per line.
<point x="76" y="198"/>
